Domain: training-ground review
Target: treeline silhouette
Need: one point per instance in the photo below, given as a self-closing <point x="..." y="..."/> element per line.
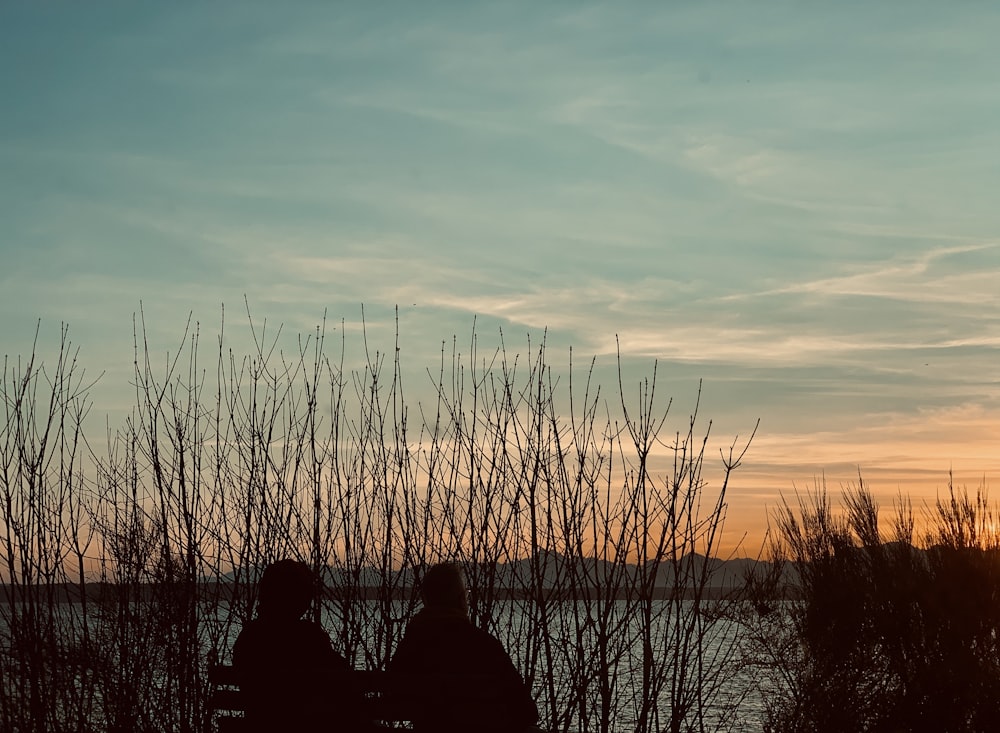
<point x="226" y="464"/>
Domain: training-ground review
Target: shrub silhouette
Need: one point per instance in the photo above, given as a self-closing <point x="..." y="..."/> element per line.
<point x="127" y="563"/>
<point x="892" y="635"/>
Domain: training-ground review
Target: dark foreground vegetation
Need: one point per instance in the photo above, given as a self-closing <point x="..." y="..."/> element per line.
<point x="227" y="464"/>
<point x="582" y="521"/>
<point x="888" y="629"/>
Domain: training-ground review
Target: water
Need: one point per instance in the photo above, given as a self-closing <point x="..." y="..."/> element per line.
<point x="586" y="642"/>
<point x="578" y="655"/>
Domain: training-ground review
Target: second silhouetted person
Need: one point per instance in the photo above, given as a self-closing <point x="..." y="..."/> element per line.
<point x="487" y="693"/>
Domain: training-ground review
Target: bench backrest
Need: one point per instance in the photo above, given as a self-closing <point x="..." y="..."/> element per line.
<point x="379" y="697"/>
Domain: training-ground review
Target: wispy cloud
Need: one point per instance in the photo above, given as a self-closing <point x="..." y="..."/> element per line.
<point x="912" y="277"/>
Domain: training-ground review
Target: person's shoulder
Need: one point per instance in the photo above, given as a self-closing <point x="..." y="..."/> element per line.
<point x="252" y="648"/>
<point x="313" y="635"/>
<point x="484" y="636"/>
<point x="449" y="627"/>
<point x="429" y="626"/>
<point x="251" y="627"/>
<point x="251" y="632"/>
<point x="491" y="652"/>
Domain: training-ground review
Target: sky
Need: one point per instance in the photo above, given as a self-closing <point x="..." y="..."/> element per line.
<point x="791" y="202"/>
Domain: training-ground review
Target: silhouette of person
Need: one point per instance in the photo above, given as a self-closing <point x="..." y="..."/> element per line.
<point x="285" y="663"/>
<point x="486" y="691"/>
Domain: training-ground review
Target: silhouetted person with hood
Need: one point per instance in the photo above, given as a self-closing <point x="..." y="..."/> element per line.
<point x="286" y="663"/>
<point x="441" y="640"/>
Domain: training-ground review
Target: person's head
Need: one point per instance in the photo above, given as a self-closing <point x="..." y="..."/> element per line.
<point x="443" y="587"/>
<point x="285" y="590"/>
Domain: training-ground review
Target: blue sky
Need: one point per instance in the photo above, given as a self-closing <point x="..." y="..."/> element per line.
<point x="794" y="202"/>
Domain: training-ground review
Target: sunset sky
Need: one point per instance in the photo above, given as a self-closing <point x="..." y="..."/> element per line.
<point x="794" y="202"/>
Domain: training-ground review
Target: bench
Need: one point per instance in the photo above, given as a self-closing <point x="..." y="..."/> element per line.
<point x="385" y="701"/>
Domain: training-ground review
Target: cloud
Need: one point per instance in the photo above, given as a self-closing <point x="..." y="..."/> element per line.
<point x="675" y="320"/>
<point x="911" y="277"/>
<point x="798" y="207"/>
<point x="912" y="452"/>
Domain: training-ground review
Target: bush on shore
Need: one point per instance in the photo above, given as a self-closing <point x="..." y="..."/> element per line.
<point x="886" y="630"/>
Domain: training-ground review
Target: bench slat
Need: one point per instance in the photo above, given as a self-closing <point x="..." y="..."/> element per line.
<point x="379" y="695"/>
<point x="226" y="700"/>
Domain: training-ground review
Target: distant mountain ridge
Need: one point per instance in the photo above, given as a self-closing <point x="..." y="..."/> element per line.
<point x="557" y="576"/>
<point x="557" y="572"/>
